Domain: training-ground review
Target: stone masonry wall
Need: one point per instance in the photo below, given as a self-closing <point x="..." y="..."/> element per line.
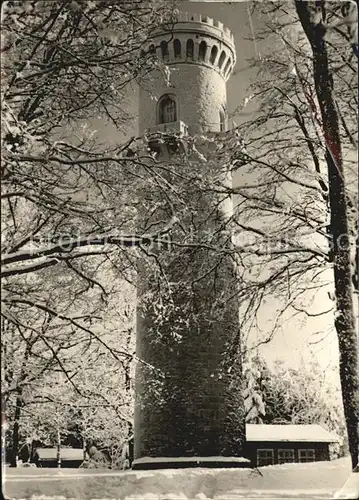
<point x="200" y="93"/>
<point x="189" y="400"/>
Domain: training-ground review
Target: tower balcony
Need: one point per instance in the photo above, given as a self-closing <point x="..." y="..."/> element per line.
<point x="162" y="137"/>
<point x="178" y="128"/>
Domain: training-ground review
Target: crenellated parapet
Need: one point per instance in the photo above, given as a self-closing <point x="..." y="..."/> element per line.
<point x="187" y="17"/>
<point x="196" y="39"/>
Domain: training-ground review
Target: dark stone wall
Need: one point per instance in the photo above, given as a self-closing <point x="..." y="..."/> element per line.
<point x="188" y="398"/>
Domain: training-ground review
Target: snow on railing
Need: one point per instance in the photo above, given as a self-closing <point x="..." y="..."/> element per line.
<point x="176" y="127"/>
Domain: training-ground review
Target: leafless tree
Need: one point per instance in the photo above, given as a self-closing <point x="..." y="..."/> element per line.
<point x="298" y="150"/>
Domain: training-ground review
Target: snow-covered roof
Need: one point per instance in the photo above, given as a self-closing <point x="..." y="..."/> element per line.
<point x="65" y="453"/>
<point x="290" y="432"/>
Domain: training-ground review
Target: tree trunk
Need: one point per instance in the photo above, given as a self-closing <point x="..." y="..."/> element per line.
<point x="128" y="382"/>
<point x="345" y="320"/>
<point x="16" y="429"/>
<point x="343" y="272"/>
<point x="3" y="427"/>
<point x="58" y="449"/>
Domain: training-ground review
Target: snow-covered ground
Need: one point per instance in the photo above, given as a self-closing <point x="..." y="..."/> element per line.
<point x="319" y="480"/>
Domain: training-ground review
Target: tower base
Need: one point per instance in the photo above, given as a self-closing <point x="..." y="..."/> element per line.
<point x="150" y="463"/>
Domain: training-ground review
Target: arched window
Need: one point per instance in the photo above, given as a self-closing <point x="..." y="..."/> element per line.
<point x="190" y="49"/>
<point x="177" y="47"/>
<point x="167" y="109"/>
<point x="213" y="55"/>
<point x="202" y="51"/>
<point x="221" y="59"/>
<point x="229" y="71"/>
<point x="228" y="63"/>
<point x="152" y="49"/>
<point x="222" y="120"/>
<point x="164" y="49"/>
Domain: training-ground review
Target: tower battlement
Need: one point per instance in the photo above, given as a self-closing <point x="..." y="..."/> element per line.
<point x="187" y="17"/>
<point x="196" y="39"/>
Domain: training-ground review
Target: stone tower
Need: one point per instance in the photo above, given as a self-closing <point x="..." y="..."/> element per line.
<point x="201" y="54"/>
<point x="188" y="390"/>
